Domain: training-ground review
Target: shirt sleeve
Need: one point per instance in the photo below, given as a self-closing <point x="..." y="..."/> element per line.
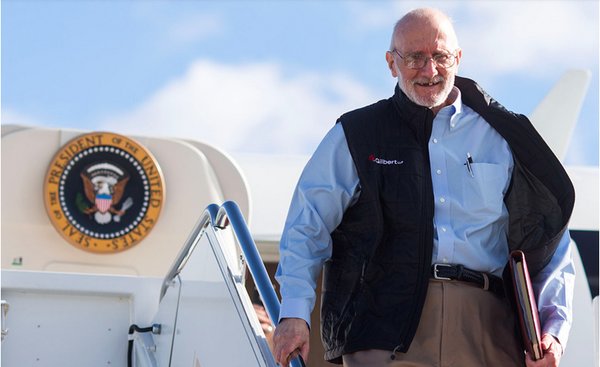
<point x="555" y="286"/>
<point x="327" y="186"/>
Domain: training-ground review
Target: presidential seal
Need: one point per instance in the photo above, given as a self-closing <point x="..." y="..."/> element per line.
<point x="103" y="192"/>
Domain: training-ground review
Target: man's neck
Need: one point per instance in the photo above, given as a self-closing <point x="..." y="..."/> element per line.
<point x="451" y="98"/>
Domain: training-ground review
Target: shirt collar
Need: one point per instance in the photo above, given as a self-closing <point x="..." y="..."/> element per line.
<point x="453" y="110"/>
<point x="458" y="105"/>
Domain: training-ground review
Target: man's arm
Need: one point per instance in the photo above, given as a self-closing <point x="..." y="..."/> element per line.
<point x="327" y="187"/>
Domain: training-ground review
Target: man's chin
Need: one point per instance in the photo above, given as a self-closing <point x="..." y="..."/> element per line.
<point x="430" y="102"/>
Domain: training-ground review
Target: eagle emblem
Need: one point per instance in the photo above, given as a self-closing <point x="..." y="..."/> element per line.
<point x="103" y="192"/>
<point x="104" y="186"/>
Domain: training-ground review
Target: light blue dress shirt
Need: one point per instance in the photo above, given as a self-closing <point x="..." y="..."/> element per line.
<point x="470" y="218"/>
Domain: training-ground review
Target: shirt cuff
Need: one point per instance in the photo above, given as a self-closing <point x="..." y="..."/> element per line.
<point x="559" y="329"/>
<point x="296" y="308"/>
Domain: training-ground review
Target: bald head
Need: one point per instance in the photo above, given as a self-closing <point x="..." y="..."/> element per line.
<point x="428" y="21"/>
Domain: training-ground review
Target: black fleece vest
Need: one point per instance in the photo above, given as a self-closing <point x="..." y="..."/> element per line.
<point x="375" y="283"/>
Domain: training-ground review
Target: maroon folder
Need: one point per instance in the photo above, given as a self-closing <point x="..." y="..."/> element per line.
<point x="527" y="311"/>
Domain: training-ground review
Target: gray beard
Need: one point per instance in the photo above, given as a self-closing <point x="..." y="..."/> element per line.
<point x="440" y="100"/>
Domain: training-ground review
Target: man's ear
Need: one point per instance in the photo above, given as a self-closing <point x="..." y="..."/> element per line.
<point x="458" y="56"/>
<point x="389" y="57"/>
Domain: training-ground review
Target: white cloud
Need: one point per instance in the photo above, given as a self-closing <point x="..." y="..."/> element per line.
<point x="532" y="37"/>
<point x="376" y="15"/>
<point x="523" y="37"/>
<point x="187" y="25"/>
<point x="252" y="107"/>
<point x="196" y="27"/>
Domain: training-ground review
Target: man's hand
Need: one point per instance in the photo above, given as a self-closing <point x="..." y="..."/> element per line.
<point x="552" y="353"/>
<point x="263" y="318"/>
<point x="265" y="324"/>
<point x="291" y="338"/>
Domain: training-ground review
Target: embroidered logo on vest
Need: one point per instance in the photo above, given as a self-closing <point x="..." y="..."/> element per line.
<point x="376" y="160"/>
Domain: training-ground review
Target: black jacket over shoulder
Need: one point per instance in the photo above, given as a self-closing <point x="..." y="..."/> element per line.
<point x="375" y="283"/>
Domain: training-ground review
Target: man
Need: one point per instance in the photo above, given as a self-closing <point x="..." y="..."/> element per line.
<point x="438" y="181"/>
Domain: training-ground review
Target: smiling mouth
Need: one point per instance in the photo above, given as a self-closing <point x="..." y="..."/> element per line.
<point x="430" y="84"/>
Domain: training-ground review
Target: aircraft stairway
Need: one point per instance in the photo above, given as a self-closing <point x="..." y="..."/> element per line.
<point x="206" y="316"/>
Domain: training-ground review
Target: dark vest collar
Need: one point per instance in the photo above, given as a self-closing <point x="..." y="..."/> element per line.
<point x="413" y="114"/>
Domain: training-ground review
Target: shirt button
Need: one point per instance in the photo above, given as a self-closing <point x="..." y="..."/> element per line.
<point x="439" y="171"/>
<point x="442" y="200"/>
<point x="435" y="140"/>
<point x="445" y="260"/>
<point x="452" y="124"/>
<point x="443" y="229"/>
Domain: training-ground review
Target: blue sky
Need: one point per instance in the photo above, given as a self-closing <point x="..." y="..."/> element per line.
<point x="269" y="76"/>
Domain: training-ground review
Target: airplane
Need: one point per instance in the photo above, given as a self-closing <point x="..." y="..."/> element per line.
<point x="147" y="264"/>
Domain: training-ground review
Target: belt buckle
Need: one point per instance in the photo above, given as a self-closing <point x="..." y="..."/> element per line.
<point x="435" y="271"/>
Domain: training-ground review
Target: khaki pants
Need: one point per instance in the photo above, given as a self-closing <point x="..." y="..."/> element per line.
<point x="461" y="326"/>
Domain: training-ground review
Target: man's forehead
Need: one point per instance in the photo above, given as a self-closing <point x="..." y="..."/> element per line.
<point x="425" y="36"/>
<point x="424" y="44"/>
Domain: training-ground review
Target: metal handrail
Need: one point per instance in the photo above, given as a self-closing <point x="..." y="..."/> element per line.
<point x="230" y="214"/>
<point x="230" y="211"/>
<point x="207" y="218"/>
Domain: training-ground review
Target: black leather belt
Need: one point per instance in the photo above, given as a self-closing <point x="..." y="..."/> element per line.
<point x="485" y="281"/>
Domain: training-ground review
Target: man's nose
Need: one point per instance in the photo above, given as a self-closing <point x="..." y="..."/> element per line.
<point x="430" y="69"/>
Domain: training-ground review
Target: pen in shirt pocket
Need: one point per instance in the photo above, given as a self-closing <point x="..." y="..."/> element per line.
<point x="469" y="164"/>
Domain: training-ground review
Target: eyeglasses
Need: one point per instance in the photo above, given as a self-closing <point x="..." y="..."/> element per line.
<point x="418" y="60"/>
